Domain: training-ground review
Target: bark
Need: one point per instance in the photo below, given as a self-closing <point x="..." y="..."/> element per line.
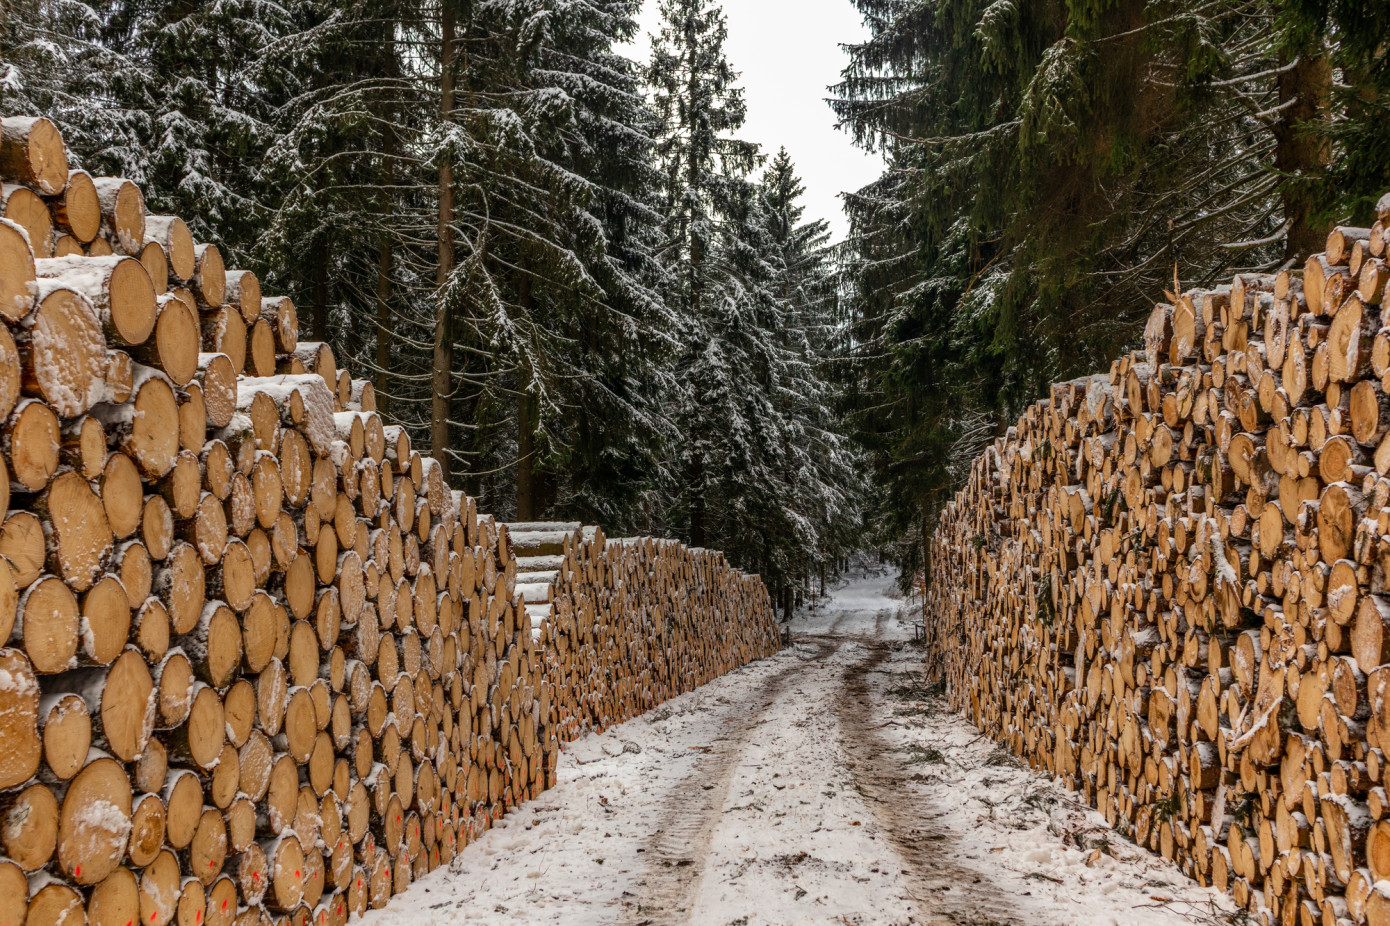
<point x="443" y="341"/>
<point x="385" y="258"/>
<point x="384" y="267"/>
<point x="526" y="455"/>
<point x="320" y="305"/>
<point x="526" y="508"/>
<point x="697" y="502"/>
<point x="1299" y="151"/>
<point x="697" y="466"/>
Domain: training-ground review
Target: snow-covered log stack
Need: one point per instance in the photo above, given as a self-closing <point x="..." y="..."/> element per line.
<point x="623" y="625"/>
<point x="1170" y="586"/>
<point x="262" y="665"/>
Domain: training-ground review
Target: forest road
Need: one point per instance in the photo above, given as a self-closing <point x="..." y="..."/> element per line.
<point x="688" y="881"/>
<point x="679" y="852"/>
<point x="828" y="785"/>
<point x="950" y="893"/>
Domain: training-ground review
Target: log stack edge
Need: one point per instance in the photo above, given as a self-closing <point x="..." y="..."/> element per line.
<point x="1169" y="586"/>
<point x="262" y="666"/>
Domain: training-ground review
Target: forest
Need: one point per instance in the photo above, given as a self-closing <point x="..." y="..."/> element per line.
<point x="590" y="299"/>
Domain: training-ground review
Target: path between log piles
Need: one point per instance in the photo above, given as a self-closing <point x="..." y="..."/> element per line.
<point x="824" y="785"/>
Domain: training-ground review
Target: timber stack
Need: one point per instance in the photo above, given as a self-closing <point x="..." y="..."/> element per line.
<point x="624" y="625"/>
<point x="1169" y="587"/>
<point x="262" y="665"/>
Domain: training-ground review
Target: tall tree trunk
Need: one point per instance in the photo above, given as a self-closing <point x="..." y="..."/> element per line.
<point x="698" y="531"/>
<point x="385" y="256"/>
<point x="320" y="307"/>
<point x="526" y="454"/>
<point x="443" y="340"/>
<point x="384" y="268"/>
<point x="525" y="420"/>
<point x="1300" y="152"/>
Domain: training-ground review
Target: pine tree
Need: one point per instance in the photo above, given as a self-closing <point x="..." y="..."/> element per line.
<point x="764" y="475"/>
<point x="1354" y="128"/>
<point x="599" y="449"/>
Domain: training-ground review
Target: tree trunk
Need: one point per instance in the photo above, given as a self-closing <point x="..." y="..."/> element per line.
<point x="526" y="450"/>
<point x="697" y="502"/>
<point x="320" y="310"/>
<point x="443" y="341"/>
<point x="697" y="467"/>
<point x="385" y="261"/>
<point x="1299" y="151"/>
<point x="383" y="326"/>
<point x="525" y="422"/>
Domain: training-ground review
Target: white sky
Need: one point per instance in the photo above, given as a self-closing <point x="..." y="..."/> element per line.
<point x="789" y="53"/>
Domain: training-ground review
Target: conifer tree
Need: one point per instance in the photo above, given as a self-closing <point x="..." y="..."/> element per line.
<point x="577" y="297"/>
<point x="820" y="470"/>
<point x="704" y="172"/>
<point x="55" y="60"/>
<point x="763" y="475"/>
<point x="1049" y="171"/>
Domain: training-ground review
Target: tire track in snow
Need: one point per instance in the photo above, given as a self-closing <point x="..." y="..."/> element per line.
<point x="680" y="847"/>
<point x="953" y="894"/>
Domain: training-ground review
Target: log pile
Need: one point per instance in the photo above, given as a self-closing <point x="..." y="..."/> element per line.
<point x="261" y="664"/>
<point x="624" y="625"/>
<point x="1169" y="586"/>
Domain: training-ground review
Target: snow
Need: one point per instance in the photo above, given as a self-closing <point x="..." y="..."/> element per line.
<point x="16" y="820"/>
<point x="105" y="816"/>
<point x="317" y="426"/>
<point x="21" y="683"/>
<point x="827" y="784"/>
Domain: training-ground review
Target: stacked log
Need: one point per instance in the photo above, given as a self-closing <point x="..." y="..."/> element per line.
<point x="623" y="625"/>
<point x="1169" y="586"/>
<point x="262" y="666"/>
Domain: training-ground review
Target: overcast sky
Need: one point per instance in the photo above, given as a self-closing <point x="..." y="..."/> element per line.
<point x="789" y="53"/>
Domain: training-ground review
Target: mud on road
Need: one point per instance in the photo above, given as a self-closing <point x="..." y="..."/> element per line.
<point x="946" y="891"/>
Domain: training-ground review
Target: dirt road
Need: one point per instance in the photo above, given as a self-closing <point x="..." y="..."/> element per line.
<point x="825" y="785"/>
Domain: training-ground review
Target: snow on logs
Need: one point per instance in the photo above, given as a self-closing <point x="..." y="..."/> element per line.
<point x="262" y="666"/>
<point x="1170" y="587"/>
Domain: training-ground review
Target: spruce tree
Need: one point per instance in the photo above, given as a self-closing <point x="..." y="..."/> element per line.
<point x="704" y="172"/>
<point x="56" y="61"/>
<point x="1049" y="172"/>
<point x="820" y="470"/>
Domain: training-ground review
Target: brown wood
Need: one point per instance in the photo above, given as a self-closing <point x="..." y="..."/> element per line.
<point x="118" y="288"/>
<point x="63" y="350"/>
<point x="17" y="271"/>
<point x="122" y="214"/>
<point x="261" y="653"/>
<point x="32" y="152"/>
<point x="78" y="208"/>
<point x="1218" y="630"/>
<point x="209" y="281"/>
<point x="174" y="239"/>
<point x="28" y="211"/>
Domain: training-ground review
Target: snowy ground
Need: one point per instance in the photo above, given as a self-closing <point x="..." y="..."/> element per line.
<point x="824" y="785"/>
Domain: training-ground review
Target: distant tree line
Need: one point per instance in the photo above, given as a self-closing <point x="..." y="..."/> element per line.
<point x="564" y="271"/>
